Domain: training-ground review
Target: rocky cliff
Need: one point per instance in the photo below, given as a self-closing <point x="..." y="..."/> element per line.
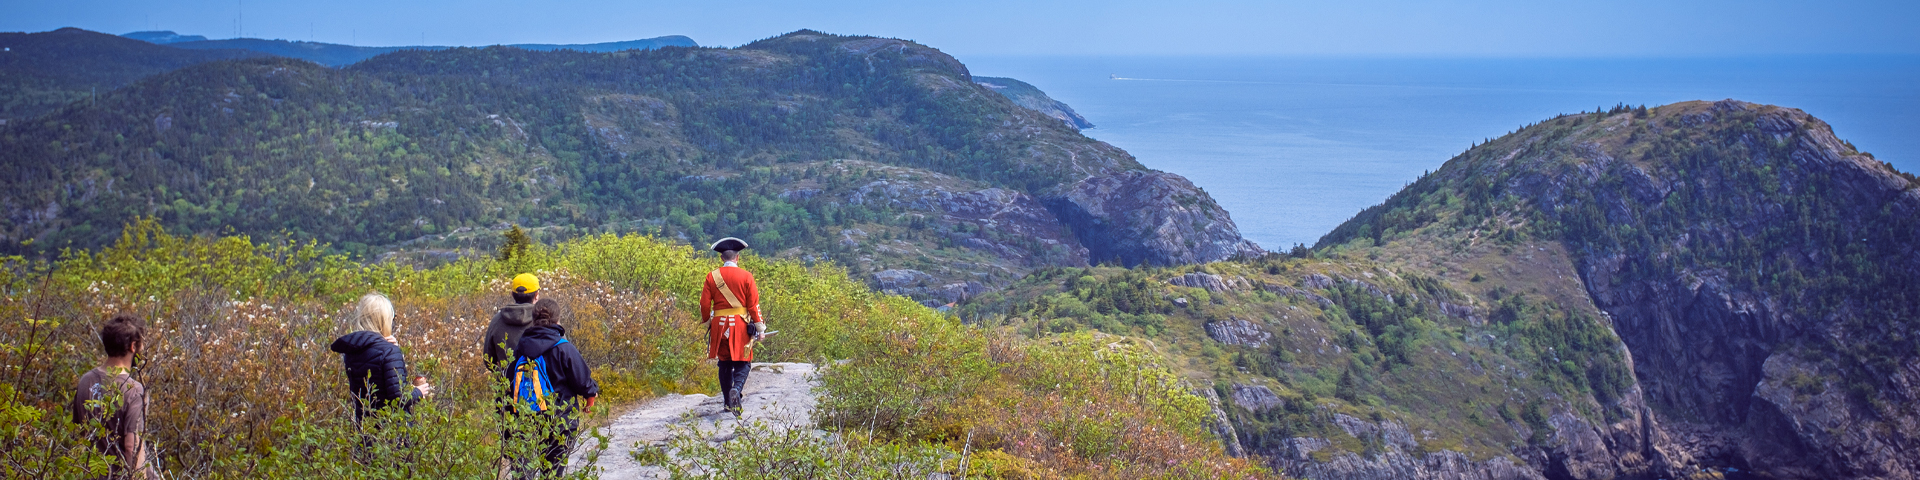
<point x="1154" y="218"/>
<point x="1700" y="290"/>
<point x="1757" y="269"/>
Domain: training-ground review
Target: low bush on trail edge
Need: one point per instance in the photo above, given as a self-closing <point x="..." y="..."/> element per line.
<point x="241" y="383"/>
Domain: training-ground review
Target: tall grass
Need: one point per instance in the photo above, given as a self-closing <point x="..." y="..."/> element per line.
<point x="241" y="383"/>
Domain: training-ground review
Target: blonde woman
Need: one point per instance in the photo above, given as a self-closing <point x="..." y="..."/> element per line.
<point x="376" y="373"/>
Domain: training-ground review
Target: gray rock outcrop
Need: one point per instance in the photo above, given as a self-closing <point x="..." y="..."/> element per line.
<point x="1234" y="331"/>
<point x="1222" y="426"/>
<point x="1324" y="302"/>
<point x="1398" y="457"/>
<point x="1148" y="217"/>
<point x="1256" y="398"/>
<point x="1209" y="282"/>
<point x="1396" y="464"/>
<point x="779" y="395"/>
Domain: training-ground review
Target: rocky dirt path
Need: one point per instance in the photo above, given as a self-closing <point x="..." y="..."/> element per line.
<point x="780" y="395"/>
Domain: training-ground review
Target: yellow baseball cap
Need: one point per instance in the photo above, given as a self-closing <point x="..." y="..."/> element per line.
<point x="525" y="283"/>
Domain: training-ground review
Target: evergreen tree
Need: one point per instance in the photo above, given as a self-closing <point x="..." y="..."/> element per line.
<point x="517" y="243"/>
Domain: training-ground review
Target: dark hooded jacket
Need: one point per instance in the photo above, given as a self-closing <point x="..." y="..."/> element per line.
<point x="566" y="369"/>
<point x="504" y="332"/>
<point x="376" y="373"/>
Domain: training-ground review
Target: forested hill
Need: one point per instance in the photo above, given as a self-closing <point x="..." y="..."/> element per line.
<point x="879" y="153"/>
<point x="41" y="72"/>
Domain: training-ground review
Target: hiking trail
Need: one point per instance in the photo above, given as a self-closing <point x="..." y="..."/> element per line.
<point x="780" y="395"/>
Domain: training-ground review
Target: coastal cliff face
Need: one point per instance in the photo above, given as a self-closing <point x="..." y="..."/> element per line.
<point x="1152" y="218"/>
<point x="1757" y="271"/>
<point x="1791" y="348"/>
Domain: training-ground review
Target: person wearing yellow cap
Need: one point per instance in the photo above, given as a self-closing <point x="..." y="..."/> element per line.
<point x="503" y="335"/>
<point x="512" y="320"/>
<point x="730" y="304"/>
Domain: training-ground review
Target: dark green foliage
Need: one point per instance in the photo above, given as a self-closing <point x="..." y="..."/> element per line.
<point x="1576" y="353"/>
<point x="1126" y="301"/>
<point x="688" y="142"/>
<point x="516" y="243"/>
<point x="1392" y="323"/>
<point x="1348" y="388"/>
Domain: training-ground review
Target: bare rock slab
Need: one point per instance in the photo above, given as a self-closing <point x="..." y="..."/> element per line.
<point x="780" y="395"/>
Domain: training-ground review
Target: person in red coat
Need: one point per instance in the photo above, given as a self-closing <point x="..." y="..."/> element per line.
<point x="730" y="304"/>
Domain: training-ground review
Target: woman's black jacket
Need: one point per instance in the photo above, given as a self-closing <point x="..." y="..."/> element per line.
<point x="376" y="373"/>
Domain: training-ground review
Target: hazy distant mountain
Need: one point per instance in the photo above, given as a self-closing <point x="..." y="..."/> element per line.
<point x="163" y="37"/>
<point x="646" y="44"/>
<point x="40" y="72"/>
<point x="337" y="55"/>
<point x="1027" y="95"/>
<point x="329" y="54"/>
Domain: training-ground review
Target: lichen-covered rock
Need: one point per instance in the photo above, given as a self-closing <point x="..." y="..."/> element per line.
<point x="1396" y="458"/>
<point x="895" y="279"/>
<point x="1463" y="312"/>
<point x="1290" y="291"/>
<point x="1209" y="282"/>
<point x="1235" y="331"/>
<point x="1256" y="397"/>
<point x="1370" y="288"/>
<point x="1222" y="427"/>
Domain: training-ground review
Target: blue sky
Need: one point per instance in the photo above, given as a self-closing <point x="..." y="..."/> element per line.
<point x="1525" y="28"/>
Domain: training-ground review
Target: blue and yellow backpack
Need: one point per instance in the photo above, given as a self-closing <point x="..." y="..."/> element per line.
<point x="531" y="382"/>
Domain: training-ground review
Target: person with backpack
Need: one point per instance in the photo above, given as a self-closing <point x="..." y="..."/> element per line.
<point x="376" y="370"/>
<point x="108" y="394"/>
<point x="548" y="380"/>
<point x="730" y="304"/>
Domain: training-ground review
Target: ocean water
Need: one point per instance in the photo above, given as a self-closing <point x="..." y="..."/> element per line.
<point x="1294" y="146"/>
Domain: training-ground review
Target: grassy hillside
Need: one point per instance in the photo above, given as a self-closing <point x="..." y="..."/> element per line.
<point x="1470" y="369"/>
<point x="1059" y="406"/>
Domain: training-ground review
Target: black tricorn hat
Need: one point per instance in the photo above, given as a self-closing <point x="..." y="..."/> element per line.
<point x="729" y="243"/>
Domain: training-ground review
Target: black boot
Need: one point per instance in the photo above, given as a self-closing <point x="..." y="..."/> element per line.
<point x="737" y="392"/>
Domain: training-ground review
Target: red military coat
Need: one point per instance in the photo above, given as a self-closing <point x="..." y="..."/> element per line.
<point x="726" y="321"/>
